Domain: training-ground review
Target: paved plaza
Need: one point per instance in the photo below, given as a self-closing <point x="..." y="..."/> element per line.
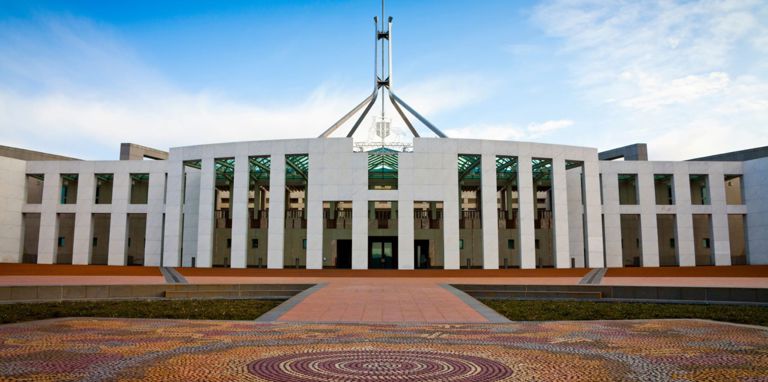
<point x="384" y="301"/>
<point x="157" y="350"/>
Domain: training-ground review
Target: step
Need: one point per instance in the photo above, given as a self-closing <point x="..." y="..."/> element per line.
<point x="534" y="294"/>
<point x="232" y="287"/>
<point x="231" y="293"/>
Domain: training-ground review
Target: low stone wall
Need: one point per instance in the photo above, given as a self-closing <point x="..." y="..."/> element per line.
<point x="631" y="293"/>
<point x="52" y="293"/>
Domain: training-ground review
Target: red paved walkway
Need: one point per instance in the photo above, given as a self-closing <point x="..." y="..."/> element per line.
<point x="382" y="300"/>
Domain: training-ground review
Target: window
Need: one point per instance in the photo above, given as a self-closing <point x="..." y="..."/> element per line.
<point x="68" y="190"/>
<point x="537" y="244"/>
<point x="461" y="243"/>
<point x="304" y="244"/>
<point x="663" y="185"/>
<point x="699" y="189"/>
<point x="139" y="188"/>
<point x="705" y="242"/>
<point x="61" y="241"/>
<point x="229" y="243"/>
<point x="104" y="183"/>
<point x="672" y="243"/>
<point x="254" y="243"/>
<point x="95" y="241"/>
<point x="628" y="189"/>
<point x="734" y="192"/>
<point x="511" y="244"/>
<point x="35" y="188"/>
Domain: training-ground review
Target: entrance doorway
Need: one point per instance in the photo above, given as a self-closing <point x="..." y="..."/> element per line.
<point x="421" y="258"/>
<point x="382" y="252"/>
<point x="344" y="254"/>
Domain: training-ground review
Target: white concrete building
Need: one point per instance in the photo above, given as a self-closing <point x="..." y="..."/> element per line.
<point x="384" y="203"/>
<point x="440" y="203"/>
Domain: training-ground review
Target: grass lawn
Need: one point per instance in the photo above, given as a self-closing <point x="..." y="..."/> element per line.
<point x="180" y="309"/>
<point x="517" y="310"/>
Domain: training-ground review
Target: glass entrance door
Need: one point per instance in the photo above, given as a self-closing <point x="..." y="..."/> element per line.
<point x="382" y="253"/>
<point x="421" y="254"/>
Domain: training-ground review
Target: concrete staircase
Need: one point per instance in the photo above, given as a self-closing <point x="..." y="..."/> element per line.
<point x="261" y="291"/>
<point x="529" y="292"/>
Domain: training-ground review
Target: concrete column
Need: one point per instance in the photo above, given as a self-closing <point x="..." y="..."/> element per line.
<point x="205" y="218"/>
<point x="81" y="244"/>
<point x="405" y="233"/>
<point x="489" y="212"/>
<point x="686" y="255"/>
<point x="560" y="213"/>
<point x="527" y="203"/>
<point x="118" y="224"/>
<point x="239" y="206"/>
<point x="612" y="216"/>
<point x="360" y="231"/>
<point x="315" y="195"/>
<point x="190" y="212"/>
<point x="721" y="238"/>
<point x="173" y="208"/>
<point x="276" y="242"/>
<point x="649" y="233"/>
<point x="756" y="200"/>
<point x="12" y="199"/>
<point x="153" y="252"/>
<point x="46" y="247"/>
<point x="720" y="234"/>
<point x="451" y="254"/>
<point x="576" y="217"/>
<point x="593" y="212"/>
<point x="314" y="230"/>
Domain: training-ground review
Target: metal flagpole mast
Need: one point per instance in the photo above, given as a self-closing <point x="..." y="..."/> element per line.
<point x="382" y="60"/>
<point x="382" y="82"/>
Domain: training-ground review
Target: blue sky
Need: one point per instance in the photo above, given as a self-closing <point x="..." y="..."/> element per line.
<point x="688" y="78"/>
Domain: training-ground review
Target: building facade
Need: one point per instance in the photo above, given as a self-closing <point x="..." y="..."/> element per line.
<point x="440" y="203"/>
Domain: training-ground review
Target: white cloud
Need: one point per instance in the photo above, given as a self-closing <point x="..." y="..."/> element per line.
<point x="667" y="70"/>
<point x="549" y="126"/>
<point x="63" y="121"/>
<point x="72" y="87"/>
<point x="445" y="92"/>
<point x="508" y="131"/>
<point x="655" y="92"/>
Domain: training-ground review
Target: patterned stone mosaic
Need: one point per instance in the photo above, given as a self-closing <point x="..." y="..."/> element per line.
<point x="164" y="350"/>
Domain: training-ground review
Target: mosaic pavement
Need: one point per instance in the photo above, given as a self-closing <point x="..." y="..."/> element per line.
<point x="154" y="350"/>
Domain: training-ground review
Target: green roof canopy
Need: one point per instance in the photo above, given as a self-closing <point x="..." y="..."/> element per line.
<point x="225" y="170"/>
<point x="506" y="168"/>
<point x="259" y="167"/>
<point x="142" y="177"/>
<point x="382" y="163"/>
<point x="469" y="167"/>
<point x="297" y="167"/>
<point x="542" y="169"/>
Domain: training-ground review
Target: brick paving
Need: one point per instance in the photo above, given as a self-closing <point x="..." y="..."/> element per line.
<point x="382" y="300"/>
<point x="180" y="350"/>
